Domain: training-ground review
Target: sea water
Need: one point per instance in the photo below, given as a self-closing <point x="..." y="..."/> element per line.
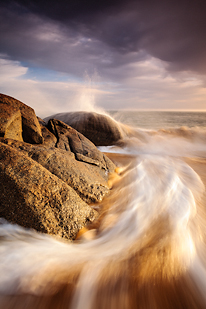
<point x="150" y="248"/>
<point x="160" y="119"/>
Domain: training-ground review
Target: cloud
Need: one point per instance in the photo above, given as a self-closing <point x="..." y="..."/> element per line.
<point x="10" y="69"/>
<point x="170" y="30"/>
<point x="47" y="97"/>
<point x="146" y="54"/>
<point x="150" y="87"/>
<point x="42" y="43"/>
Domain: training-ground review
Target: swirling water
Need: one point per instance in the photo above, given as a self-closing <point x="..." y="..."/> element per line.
<point x="149" y="250"/>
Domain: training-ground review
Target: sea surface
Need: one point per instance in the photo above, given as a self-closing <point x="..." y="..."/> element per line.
<point x="149" y="250"/>
<point x="160" y="119"/>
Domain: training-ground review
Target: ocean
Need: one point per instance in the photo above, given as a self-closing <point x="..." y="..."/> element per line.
<point x="160" y="119"/>
<point x="149" y="250"/>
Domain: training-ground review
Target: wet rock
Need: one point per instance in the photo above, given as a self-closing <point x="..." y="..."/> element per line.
<point x="100" y="129"/>
<point x="31" y="130"/>
<point x="33" y="197"/>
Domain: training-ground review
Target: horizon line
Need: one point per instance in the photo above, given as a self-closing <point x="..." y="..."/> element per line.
<point x="158" y="110"/>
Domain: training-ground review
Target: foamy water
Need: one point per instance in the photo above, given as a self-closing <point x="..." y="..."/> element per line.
<point x="149" y="250"/>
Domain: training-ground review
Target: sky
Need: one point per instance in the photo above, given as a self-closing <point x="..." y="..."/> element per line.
<point x="58" y="56"/>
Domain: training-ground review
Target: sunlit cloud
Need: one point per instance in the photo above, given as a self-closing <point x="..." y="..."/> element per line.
<point x="47" y="97"/>
<point x="148" y="86"/>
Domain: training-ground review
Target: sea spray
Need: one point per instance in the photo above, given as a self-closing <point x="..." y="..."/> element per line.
<point x="87" y="97"/>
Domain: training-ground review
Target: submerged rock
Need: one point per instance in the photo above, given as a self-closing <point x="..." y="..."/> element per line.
<point x="100" y="129"/>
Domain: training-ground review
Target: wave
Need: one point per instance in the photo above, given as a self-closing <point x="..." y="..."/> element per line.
<point x="181" y="141"/>
<point x="147" y="251"/>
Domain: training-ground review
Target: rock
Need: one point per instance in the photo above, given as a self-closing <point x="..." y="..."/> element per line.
<point x="10" y="122"/>
<point x="71" y="140"/>
<point x="100" y="129"/>
<point x="89" y="180"/>
<point x="31" y="130"/>
<point x="50" y="139"/>
<point x="48" y="172"/>
<point x="33" y="197"/>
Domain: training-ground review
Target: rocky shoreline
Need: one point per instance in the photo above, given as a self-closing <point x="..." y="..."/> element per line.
<point x="50" y="173"/>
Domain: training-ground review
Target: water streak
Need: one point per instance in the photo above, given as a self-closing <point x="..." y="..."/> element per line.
<point x="150" y="239"/>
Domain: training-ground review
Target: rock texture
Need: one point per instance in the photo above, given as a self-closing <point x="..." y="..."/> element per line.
<point x="48" y="186"/>
<point x="33" y="197"/>
<point x="31" y="130"/>
<point x="84" y="150"/>
<point x="100" y="129"/>
<point x="10" y="122"/>
<point x="87" y="179"/>
<point x="50" y="139"/>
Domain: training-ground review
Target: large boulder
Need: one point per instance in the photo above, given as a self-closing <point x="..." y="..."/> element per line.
<point x="102" y="130"/>
<point x="49" y="173"/>
<point x="10" y="120"/>
<point x="88" y="179"/>
<point x="33" y="197"/>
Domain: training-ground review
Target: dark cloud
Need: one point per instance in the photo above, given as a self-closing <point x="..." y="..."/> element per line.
<point x="41" y="42"/>
<point x="63" y="9"/>
<point x="105" y="34"/>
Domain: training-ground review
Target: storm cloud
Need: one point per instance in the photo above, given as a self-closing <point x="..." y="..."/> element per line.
<point x="111" y="38"/>
<point x="107" y="33"/>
